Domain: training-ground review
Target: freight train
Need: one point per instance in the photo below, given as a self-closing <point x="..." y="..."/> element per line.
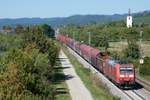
<point x="121" y="74"/>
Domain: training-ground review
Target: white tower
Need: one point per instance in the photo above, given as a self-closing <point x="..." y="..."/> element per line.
<point x="129" y="20"/>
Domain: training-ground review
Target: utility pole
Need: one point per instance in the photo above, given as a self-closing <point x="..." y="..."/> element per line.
<point x="106" y="39"/>
<point x="73" y="40"/>
<point x="121" y="46"/>
<point x="89" y="33"/>
<point x="141" y="52"/>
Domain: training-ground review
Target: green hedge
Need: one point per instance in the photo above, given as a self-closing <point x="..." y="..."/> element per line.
<point x="145" y="68"/>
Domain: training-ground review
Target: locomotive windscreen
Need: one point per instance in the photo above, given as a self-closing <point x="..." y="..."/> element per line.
<point x="128" y="70"/>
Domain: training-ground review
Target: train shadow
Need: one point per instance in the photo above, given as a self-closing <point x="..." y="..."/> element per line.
<point x="136" y="86"/>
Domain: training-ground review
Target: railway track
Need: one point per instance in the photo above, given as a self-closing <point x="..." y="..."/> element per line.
<point x="138" y="92"/>
<point x="139" y="95"/>
<point x="135" y="94"/>
<point x="145" y="84"/>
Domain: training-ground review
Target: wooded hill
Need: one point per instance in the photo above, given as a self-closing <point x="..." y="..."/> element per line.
<point x="78" y="19"/>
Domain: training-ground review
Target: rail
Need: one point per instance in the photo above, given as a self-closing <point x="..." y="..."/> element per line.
<point x="144" y="83"/>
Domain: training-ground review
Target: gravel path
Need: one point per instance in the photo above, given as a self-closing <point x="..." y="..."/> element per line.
<point x="76" y="87"/>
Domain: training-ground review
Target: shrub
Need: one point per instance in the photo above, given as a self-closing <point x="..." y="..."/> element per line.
<point x="25" y="75"/>
<point x="145" y="68"/>
<point x="132" y="50"/>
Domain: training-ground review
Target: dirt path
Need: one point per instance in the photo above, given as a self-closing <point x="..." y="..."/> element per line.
<point x="76" y="87"/>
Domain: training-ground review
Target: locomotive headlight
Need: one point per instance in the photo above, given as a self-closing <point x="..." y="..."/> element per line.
<point x="121" y="76"/>
<point x="131" y="75"/>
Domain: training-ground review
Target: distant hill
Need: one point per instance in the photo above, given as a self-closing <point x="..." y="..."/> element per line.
<point x="142" y="17"/>
<point x="77" y="19"/>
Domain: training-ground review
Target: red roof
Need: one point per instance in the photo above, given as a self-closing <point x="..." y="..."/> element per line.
<point x="89" y="50"/>
<point x="95" y="52"/>
<point x="85" y="49"/>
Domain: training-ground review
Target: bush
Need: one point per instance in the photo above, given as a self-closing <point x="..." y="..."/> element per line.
<point x="9" y="41"/>
<point x="145" y="68"/>
<point x="25" y="74"/>
<point x="132" y="51"/>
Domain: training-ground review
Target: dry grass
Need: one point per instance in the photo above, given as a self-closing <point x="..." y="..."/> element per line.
<point x="119" y="46"/>
<point x="146" y="78"/>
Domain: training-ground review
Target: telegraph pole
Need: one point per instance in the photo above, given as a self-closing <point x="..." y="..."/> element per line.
<point x="73" y="40"/>
<point x="89" y="40"/>
<point x="119" y="58"/>
<point x="106" y="39"/>
<point x="89" y="33"/>
<point x="141" y="53"/>
<point x="141" y="34"/>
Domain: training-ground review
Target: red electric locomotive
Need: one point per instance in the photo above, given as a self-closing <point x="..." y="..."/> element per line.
<point x="121" y="74"/>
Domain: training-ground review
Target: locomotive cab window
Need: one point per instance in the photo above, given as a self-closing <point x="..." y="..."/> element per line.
<point x="126" y="70"/>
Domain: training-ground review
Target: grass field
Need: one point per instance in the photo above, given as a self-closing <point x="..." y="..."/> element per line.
<point x="119" y="46"/>
<point x="146" y="78"/>
<point x="98" y="91"/>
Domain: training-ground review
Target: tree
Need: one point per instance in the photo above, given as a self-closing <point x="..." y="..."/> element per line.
<point x="44" y="44"/>
<point x="132" y="50"/>
<point x="19" y="29"/>
<point x="26" y="66"/>
<point x="25" y="75"/>
<point x="46" y="29"/>
<point x="7" y="27"/>
<point x="145" y="69"/>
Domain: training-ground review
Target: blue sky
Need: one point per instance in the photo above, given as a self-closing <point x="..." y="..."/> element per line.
<point x="63" y="8"/>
